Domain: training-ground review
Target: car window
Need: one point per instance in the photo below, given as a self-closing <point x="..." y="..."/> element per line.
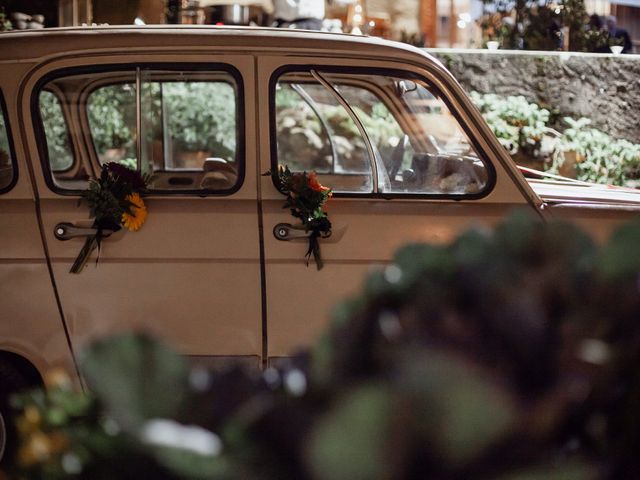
<point x="182" y="127"/>
<point x="111" y="110"/>
<point x="7" y="173"/>
<point x="190" y="125"/>
<point x="418" y="144"/>
<point x="315" y="132"/>
<point x="56" y="131"/>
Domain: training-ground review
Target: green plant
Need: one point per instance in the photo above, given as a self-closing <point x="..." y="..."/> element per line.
<point x="505" y="355"/>
<point x="5" y="24"/>
<point x="5" y="159"/>
<point x="601" y="158"/>
<point x="540" y="25"/>
<point x="518" y="124"/>
<point x="520" y="127"/>
<point x="112" y="118"/>
<point x="202" y="116"/>
<point x="574" y="15"/>
<point x="58" y="147"/>
<point x="494" y="27"/>
<point x="199" y="116"/>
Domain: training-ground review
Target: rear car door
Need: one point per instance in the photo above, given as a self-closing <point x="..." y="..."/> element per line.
<point x="191" y="274"/>
<point x="405" y="161"/>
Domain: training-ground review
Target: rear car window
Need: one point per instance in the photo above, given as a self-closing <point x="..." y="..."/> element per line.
<point x="7" y="168"/>
<point x="181" y="126"/>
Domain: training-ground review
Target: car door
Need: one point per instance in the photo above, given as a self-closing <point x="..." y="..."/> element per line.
<point x="191" y="274"/>
<point x="407" y="163"/>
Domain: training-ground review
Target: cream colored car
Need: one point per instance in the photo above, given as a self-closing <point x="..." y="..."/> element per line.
<point x="207" y="111"/>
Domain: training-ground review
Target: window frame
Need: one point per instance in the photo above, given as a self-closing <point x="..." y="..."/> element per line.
<point x="405" y="74"/>
<point x="12" y="151"/>
<point x="87" y="138"/>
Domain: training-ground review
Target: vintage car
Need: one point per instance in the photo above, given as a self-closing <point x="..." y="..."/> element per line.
<point x="207" y="111"/>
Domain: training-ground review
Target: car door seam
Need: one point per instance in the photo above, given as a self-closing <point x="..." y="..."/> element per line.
<point x="263" y="269"/>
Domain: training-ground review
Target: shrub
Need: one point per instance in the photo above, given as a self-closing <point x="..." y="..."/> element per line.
<point x="601" y="158"/>
<point x="520" y="127"/>
<point x="507" y="355"/>
<point x="517" y="123"/>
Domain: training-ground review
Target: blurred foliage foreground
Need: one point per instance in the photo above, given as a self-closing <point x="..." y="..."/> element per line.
<point x="511" y="355"/>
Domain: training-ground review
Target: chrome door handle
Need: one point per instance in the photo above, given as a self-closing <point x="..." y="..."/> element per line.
<point x="66" y="231"/>
<point x="286" y="231"/>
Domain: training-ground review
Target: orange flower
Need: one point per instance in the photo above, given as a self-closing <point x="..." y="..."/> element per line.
<point x="314" y="184"/>
<point x="134" y="220"/>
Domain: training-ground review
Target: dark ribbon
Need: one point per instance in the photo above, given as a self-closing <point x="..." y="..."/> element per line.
<point x="314" y="248"/>
<point x="91" y="243"/>
<point x="319" y="228"/>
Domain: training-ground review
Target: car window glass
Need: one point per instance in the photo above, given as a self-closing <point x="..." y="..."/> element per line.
<point x="6" y="163"/>
<point x="417" y="139"/>
<point x="183" y="127"/>
<point x="56" y="132"/>
<point x="315" y="132"/>
<point x="190" y="125"/>
<point x="111" y="112"/>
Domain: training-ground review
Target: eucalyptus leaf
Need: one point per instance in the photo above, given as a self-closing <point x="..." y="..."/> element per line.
<point x="575" y="470"/>
<point x="351" y="442"/>
<point x="188" y="465"/>
<point x="460" y="410"/>
<point x="136" y="378"/>
<point x="620" y="257"/>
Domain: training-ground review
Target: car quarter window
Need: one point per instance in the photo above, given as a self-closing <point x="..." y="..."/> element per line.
<point x="7" y="169"/>
<point x="57" y="133"/>
<point x="418" y="145"/>
<point x="180" y="125"/>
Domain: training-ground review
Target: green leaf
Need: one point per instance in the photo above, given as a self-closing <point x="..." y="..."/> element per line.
<point x="620" y="257"/>
<point x="189" y="465"/>
<point x="572" y="471"/>
<point x="459" y="408"/>
<point x="136" y="378"/>
<point x="351" y="441"/>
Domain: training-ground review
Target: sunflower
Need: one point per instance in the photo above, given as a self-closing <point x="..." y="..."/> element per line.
<point x="136" y="214"/>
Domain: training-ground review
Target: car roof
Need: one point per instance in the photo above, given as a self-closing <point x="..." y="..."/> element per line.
<point x="36" y="44"/>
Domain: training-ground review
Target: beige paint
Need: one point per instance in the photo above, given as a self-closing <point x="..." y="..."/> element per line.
<point x="30" y="324"/>
<point x="182" y="275"/>
<point x="300" y="299"/>
<point x="192" y="274"/>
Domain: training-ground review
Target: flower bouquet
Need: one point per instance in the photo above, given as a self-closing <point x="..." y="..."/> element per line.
<point x="114" y="201"/>
<point x="305" y="199"/>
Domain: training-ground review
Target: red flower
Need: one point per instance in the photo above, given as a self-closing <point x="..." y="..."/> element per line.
<point x="314" y="184"/>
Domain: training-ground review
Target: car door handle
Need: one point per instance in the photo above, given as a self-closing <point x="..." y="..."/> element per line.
<point x="66" y="231"/>
<point x="286" y="232"/>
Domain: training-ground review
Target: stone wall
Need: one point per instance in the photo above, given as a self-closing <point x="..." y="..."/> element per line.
<point x="605" y="88"/>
